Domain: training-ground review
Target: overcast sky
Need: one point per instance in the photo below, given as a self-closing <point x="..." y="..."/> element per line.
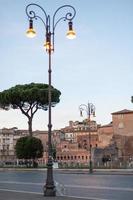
<point x="97" y="66"/>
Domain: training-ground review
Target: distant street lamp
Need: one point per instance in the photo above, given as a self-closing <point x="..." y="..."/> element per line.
<point x="50" y="26"/>
<point x="90" y="110"/>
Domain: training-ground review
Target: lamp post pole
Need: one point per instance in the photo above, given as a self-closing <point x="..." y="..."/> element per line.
<point x="49" y="187"/>
<point x="90" y="110"/>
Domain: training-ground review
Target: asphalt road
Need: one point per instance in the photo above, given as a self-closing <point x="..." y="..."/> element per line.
<point x="95" y="186"/>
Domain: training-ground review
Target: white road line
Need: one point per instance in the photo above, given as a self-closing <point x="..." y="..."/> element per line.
<point x="27" y="192"/>
<point x="20" y="191"/>
<point x="59" y="187"/>
<point x="89" y="198"/>
<point x="72" y="186"/>
<point x="23" y="183"/>
<point x="99" y="187"/>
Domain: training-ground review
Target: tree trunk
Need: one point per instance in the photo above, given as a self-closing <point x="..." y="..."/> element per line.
<point x="30" y="126"/>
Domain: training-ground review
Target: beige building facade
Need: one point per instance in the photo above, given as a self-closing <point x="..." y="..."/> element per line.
<point x="8" y="139"/>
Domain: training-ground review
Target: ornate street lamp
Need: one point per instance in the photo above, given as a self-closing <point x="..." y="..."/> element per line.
<point x="90" y="110"/>
<point x="50" y="26"/>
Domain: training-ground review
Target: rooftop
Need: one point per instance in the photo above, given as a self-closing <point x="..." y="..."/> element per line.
<point x="125" y="111"/>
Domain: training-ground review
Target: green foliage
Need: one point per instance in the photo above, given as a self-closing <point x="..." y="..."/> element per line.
<point x="24" y="96"/>
<point x="29" y="148"/>
<point x="28" y="98"/>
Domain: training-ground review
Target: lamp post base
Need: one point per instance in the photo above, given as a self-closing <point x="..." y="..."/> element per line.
<point x="49" y="191"/>
<point x="91" y="167"/>
<point x="49" y="188"/>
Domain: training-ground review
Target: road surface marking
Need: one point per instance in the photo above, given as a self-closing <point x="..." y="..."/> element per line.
<point x="20" y="191"/>
<point x="71" y="186"/>
<point x="27" y="192"/>
<point x="89" y="198"/>
<point x="23" y="183"/>
<point x="99" y="187"/>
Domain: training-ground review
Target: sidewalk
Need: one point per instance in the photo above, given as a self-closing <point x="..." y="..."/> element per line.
<point x="96" y="171"/>
<point x="77" y="171"/>
<point x="9" y="195"/>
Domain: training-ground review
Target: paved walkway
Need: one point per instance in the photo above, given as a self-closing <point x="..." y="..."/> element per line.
<point x="9" y="195"/>
<point x="75" y="171"/>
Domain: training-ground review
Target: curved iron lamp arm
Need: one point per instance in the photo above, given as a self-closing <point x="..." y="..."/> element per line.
<point x="67" y="17"/>
<point x="89" y="109"/>
<point x="83" y="107"/>
<point x="50" y="31"/>
<point x="32" y="14"/>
